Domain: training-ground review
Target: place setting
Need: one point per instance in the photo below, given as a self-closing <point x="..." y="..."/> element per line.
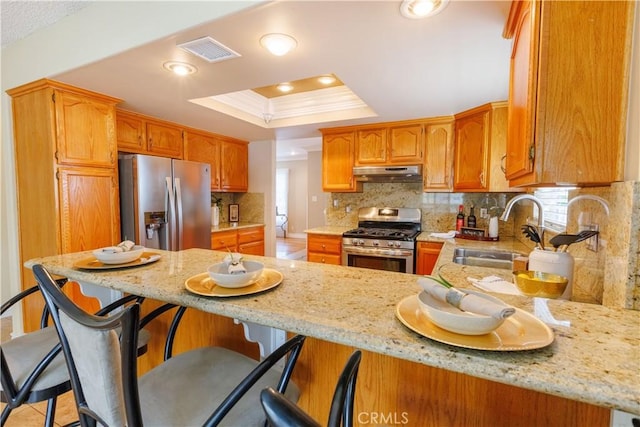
<point x="125" y="254"/>
<point x="470" y="319"/>
<point x="234" y="277"/>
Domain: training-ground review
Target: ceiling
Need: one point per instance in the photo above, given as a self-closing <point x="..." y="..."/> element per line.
<point x="401" y="68"/>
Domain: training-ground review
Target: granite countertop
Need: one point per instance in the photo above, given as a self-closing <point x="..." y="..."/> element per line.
<point x="225" y="226"/>
<point x="594" y="358"/>
<point x="331" y="230"/>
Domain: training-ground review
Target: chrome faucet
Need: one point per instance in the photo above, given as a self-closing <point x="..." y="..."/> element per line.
<point x="534" y="199"/>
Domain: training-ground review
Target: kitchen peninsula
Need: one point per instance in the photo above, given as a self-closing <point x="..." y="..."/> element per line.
<point x="591" y="366"/>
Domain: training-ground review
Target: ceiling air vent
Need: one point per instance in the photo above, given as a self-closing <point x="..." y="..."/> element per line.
<point x="209" y="49"/>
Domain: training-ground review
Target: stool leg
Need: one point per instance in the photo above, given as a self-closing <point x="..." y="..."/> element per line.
<point x="51" y="412"/>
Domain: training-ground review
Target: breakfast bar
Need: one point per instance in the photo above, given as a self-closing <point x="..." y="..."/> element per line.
<point x="594" y="356"/>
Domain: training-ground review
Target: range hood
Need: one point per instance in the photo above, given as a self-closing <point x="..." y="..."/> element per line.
<point x="388" y="173"/>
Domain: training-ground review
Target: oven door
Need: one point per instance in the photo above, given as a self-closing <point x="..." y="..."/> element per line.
<point x="400" y="260"/>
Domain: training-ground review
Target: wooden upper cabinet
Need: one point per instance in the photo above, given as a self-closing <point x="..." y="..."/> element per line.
<point x="85" y="130"/>
<point x="229" y="159"/>
<point x="132" y="134"/>
<point x="164" y="139"/>
<point x="438" y="156"/>
<point x="234" y="166"/>
<point x="569" y="90"/>
<point x="389" y="144"/>
<point x="338" y="161"/>
<point x="480" y="144"/>
<point x="371" y="146"/>
<point x="141" y="134"/>
<point x="406" y="144"/>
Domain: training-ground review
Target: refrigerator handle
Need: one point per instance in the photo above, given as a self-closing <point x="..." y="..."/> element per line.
<point x="179" y="216"/>
<point x="171" y="215"/>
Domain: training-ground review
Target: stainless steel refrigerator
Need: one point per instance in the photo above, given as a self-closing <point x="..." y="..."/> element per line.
<point x="165" y="203"/>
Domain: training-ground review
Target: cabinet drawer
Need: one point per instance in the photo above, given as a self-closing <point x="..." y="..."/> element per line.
<point x="223" y="240"/>
<point x="252" y="248"/>
<point x="248" y="235"/>
<point x="325" y="244"/>
<point x="324" y="258"/>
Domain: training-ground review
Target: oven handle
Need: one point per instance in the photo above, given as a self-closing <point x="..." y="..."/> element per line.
<point x="378" y="251"/>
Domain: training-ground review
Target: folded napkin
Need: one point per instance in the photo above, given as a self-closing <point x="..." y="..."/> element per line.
<point x="237" y="268"/>
<point x="234" y="262"/>
<point x="495" y="284"/>
<point x="124" y="246"/>
<point x="447" y="235"/>
<point x="464" y="301"/>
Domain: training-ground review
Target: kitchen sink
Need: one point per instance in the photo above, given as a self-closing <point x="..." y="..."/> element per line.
<point x="485" y="258"/>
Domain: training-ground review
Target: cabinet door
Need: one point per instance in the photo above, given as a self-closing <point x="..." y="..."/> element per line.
<point x="428" y="253"/>
<point x="224" y="240"/>
<point x="204" y="148"/>
<point x="337" y="162"/>
<point x="164" y="140"/>
<point x="85" y="130"/>
<point x="438" y="157"/>
<point x="234" y="162"/>
<point x="471" y="157"/>
<point x="131" y="133"/>
<point x="89" y="207"/>
<point x="405" y="144"/>
<point x="371" y="146"/>
<point x="522" y="93"/>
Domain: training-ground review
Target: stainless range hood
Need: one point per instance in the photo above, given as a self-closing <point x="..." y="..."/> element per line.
<point x="388" y="173"/>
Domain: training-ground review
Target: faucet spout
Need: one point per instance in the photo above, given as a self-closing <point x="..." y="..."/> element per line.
<point x="534" y="199"/>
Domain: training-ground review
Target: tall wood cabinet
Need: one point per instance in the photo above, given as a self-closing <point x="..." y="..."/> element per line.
<point x="568" y="92"/>
<point x="228" y="157"/>
<point x="66" y="174"/>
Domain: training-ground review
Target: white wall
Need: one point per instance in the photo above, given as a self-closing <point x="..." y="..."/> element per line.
<point x="317" y="200"/>
<point x="297" y="208"/>
<point x="96" y="32"/>
<point x="262" y="179"/>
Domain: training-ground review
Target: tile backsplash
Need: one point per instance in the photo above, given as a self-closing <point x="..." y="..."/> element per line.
<point x="609" y="276"/>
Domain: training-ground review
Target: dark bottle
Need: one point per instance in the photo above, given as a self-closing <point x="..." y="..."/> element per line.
<point x="471" y="221"/>
<point x="460" y="218"/>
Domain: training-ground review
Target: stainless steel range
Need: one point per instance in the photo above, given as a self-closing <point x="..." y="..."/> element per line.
<point x="384" y="240"/>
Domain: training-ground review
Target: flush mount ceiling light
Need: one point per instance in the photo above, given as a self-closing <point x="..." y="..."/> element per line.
<point x="179" y="68"/>
<point x="278" y="44"/>
<point x="285" y="87"/>
<point x="326" y="80"/>
<point x="417" y="9"/>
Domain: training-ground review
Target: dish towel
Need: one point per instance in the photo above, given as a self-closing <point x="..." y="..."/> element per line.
<point x="495" y="284"/>
<point x="464" y="301"/>
<point x="447" y="235"/>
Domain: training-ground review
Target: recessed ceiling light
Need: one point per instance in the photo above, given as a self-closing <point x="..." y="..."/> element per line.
<point x="285" y="87"/>
<point x="416" y="9"/>
<point x="179" y="68"/>
<point x="278" y="44"/>
<point x="326" y="80"/>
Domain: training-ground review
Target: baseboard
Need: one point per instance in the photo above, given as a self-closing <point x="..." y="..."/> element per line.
<point x="297" y="235"/>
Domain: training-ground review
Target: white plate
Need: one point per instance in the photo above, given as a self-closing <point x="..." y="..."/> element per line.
<point x="94" y="264"/>
<point x="204" y="285"/>
<point x="522" y="331"/>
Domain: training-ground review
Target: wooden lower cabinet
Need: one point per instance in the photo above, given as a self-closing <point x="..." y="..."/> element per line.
<point x="323" y="248"/>
<point x="391" y="391"/>
<point x="428" y="253"/>
<point x="251" y="241"/>
<point x="248" y="240"/>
